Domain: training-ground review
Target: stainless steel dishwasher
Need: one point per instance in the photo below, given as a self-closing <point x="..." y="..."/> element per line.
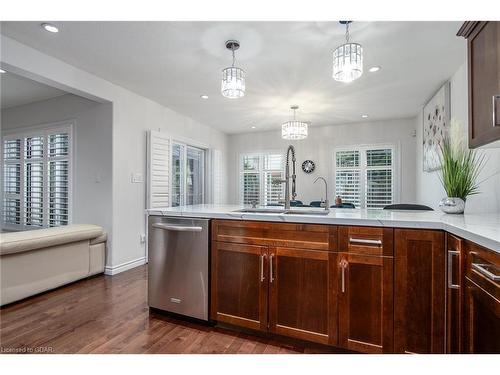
<point x="178" y="265"/>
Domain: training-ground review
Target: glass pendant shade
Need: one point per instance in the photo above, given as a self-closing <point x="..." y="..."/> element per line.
<point x="233" y="83"/>
<point x="348" y="62"/>
<point x="294" y="130"/>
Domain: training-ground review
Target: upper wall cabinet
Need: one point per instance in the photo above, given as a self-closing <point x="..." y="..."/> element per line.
<point x="483" y="50"/>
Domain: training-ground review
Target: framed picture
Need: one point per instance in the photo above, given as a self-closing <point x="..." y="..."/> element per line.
<point x="436" y="125"/>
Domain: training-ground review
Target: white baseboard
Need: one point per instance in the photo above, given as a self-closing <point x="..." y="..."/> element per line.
<point x="124" y="266"/>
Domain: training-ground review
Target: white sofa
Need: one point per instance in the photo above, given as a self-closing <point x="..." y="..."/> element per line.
<point x="35" y="261"/>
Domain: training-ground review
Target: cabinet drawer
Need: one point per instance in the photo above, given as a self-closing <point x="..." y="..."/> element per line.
<point x="366" y="240"/>
<point x="482" y="266"/>
<point x="304" y="236"/>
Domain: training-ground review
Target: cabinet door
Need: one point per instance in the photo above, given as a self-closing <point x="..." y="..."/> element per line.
<point x="419" y="294"/>
<point x="365" y="302"/>
<point x="239" y="285"/>
<point x="299" y="294"/>
<point x="484" y="83"/>
<point x="482" y="320"/>
<point x="454" y="293"/>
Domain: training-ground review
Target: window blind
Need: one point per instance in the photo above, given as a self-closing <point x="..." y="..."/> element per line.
<point x="364" y="176"/>
<point x="158" y="170"/>
<point x="37" y="178"/>
<point x="260" y="175"/>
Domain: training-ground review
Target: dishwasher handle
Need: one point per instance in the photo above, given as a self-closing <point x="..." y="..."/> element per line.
<point x="177" y="228"/>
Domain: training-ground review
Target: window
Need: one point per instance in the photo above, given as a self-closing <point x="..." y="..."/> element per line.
<point x="188" y="174"/>
<point x="258" y="178"/>
<point x="364" y="176"/>
<point x="37" y="178"/>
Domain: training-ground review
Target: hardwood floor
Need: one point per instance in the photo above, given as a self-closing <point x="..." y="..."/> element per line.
<point x="108" y="314"/>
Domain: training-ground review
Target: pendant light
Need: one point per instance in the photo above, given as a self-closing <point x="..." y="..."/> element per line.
<point x="233" y="78"/>
<point x="294" y="130"/>
<point x="347" y="59"/>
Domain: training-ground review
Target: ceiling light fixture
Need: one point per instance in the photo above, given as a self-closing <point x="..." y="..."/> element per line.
<point x="50" y="28"/>
<point x="347" y="59"/>
<point x="204" y="96"/>
<point x="364" y="116"/>
<point x="294" y="130"/>
<point x="253" y="127"/>
<point x="233" y="78"/>
<point x="374" y="69"/>
<point x="2" y="71"/>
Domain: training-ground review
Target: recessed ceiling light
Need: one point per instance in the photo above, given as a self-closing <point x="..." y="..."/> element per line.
<point x="204" y="96"/>
<point x="50" y="28"/>
<point x="2" y="71"/>
<point x="364" y="116"/>
<point x="374" y="69"/>
<point x="253" y="126"/>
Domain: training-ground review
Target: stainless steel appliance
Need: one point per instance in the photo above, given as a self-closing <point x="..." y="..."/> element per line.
<point x="178" y="265"/>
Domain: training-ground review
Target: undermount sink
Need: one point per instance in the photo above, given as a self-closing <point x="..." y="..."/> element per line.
<point x="283" y="211"/>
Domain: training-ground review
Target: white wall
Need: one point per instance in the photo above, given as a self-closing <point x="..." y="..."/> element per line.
<point x="133" y="115"/>
<point x="429" y="189"/>
<point x="92" y="156"/>
<point x="319" y="147"/>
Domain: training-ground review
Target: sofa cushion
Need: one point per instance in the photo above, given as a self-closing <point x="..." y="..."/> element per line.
<point x="16" y="242"/>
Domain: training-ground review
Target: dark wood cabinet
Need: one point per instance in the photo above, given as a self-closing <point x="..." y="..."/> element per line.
<point x="482" y="300"/>
<point x="365" y="302"/>
<point x="454" y="293"/>
<point x="483" y="51"/>
<point x="239" y="285"/>
<point x="299" y="297"/>
<point x="419" y="291"/>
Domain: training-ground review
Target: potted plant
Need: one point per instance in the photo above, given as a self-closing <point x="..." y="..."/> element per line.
<point x="460" y="168"/>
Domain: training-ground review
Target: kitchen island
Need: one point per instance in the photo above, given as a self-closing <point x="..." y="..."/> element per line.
<point x="370" y="281"/>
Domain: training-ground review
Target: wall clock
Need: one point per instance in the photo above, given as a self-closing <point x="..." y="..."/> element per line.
<point x="308" y="166"/>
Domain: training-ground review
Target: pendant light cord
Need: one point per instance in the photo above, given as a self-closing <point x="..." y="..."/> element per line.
<point x="347" y="32"/>
<point x="234" y="58"/>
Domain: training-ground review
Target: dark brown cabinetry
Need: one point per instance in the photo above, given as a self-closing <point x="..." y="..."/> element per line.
<point x="364" y="290"/>
<point x="274" y="277"/>
<point x="419" y="291"/>
<point x="483" y="50"/>
<point x="454" y="293"/>
<point x="482" y="300"/>
<point x="299" y="298"/>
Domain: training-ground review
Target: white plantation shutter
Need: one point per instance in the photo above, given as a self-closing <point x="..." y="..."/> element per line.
<point x="37" y="178"/>
<point x="379" y="178"/>
<point x="365" y="177"/>
<point x="347" y="176"/>
<point x="217" y="177"/>
<point x="259" y="175"/>
<point x="159" y="144"/>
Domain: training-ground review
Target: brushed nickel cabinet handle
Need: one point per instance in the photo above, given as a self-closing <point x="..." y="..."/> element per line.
<point x="343" y="266"/>
<point x="494" y="109"/>
<point x="480" y="268"/>
<point x="271" y="277"/>
<point x="362" y="241"/>
<point x="451" y="254"/>
<point x="262" y="278"/>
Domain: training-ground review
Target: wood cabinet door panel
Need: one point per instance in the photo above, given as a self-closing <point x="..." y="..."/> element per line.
<point x="419" y="295"/>
<point x="482" y="320"/>
<point x="239" y="285"/>
<point x="365" y="302"/>
<point x="299" y="294"/>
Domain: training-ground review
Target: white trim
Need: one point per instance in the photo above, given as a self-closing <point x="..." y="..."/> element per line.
<point x="125" y="266"/>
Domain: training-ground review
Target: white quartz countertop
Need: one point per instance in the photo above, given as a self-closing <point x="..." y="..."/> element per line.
<point x="483" y="229"/>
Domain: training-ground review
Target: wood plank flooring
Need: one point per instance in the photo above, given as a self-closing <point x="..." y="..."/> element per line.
<point x="107" y="314"/>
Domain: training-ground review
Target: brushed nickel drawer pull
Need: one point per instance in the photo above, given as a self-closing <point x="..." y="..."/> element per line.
<point x="271" y="277"/>
<point x="452" y="253"/>
<point x="480" y="268"/>
<point x="494" y="109"/>
<point x="361" y="241"/>
<point x="262" y="278"/>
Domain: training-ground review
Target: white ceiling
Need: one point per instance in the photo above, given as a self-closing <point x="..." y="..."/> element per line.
<point x="287" y="63"/>
<point x="16" y="90"/>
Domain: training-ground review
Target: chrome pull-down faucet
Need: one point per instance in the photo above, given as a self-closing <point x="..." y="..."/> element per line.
<point x="286" y="181"/>
<point x="327" y="205"/>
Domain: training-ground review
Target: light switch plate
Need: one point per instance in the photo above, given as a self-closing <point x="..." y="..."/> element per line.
<point x="136" y="178"/>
